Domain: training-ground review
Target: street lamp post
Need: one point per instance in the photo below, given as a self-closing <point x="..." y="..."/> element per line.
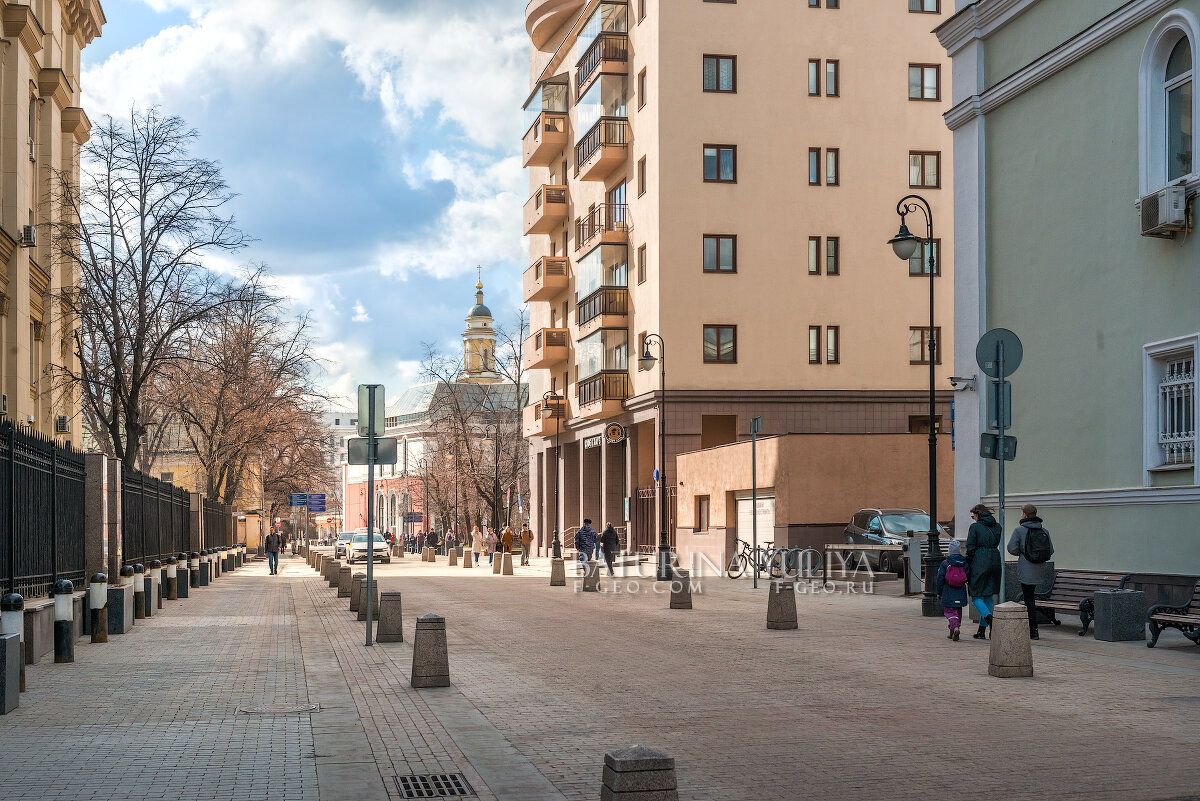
<point x="492" y="435"/>
<point x="557" y="412"/>
<point x="646" y="361"/>
<point x="905" y="244"/>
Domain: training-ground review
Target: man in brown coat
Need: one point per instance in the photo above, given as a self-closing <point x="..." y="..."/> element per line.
<point x="526" y="543"/>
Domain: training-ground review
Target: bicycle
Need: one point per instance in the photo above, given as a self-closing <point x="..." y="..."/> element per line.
<point x="776" y="562"/>
<point x="761" y="558"/>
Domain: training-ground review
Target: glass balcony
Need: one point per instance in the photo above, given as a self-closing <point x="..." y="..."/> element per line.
<point x="546" y="210"/>
<point x="547" y="346"/>
<point x="546" y="124"/>
<point x="602" y="115"/>
<point x="603" y="44"/>
<point x="607" y="224"/>
<point x="545" y="278"/>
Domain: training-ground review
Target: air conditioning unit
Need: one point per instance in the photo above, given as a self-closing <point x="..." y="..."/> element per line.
<point x="28" y="236"/>
<point x="1164" y="212"/>
<point x="62" y="425"/>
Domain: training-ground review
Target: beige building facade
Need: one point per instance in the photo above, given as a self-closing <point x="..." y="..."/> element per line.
<point x="41" y="130"/>
<point x="724" y="175"/>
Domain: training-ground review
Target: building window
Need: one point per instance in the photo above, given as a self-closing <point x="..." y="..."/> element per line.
<point x="833" y="352"/>
<point x="337" y="421"/>
<point x="920" y="345"/>
<point x="923" y="170"/>
<point x="641" y="179"/>
<point x="720" y="74"/>
<point x="831" y="167"/>
<point x="1180" y="129"/>
<point x="814" y="344"/>
<point x="831" y="78"/>
<point x="720" y="164"/>
<point x="814" y="166"/>
<point x="701" y="513"/>
<point x="924" y="82"/>
<point x="1167" y="99"/>
<point x="814" y="255"/>
<point x="925" y="6"/>
<point x="720" y="344"/>
<point x="1170" y="404"/>
<point x="641" y="89"/>
<point x="166" y="477"/>
<point x="641" y="265"/>
<point x="814" y="77"/>
<point x="720" y="253"/>
<point x="918" y="263"/>
<point x="833" y="246"/>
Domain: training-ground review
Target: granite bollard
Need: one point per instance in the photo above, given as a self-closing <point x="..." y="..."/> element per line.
<point x="205" y="569"/>
<point x="160" y="582"/>
<point x="12" y="622"/>
<point x="681" y="590"/>
<point x="98" y="607"/>
<point x="453" y="559"/>
<point x="64" y="621"/>
<point x="781" y="606"/>
<point x="194" y="568"/>
<point x="391" y="617"/>
<point x="11" y="669"/>
<point x="591" y="576"/>
<point x="431" y="663"/>
<point x="139" y="591"/>
<point x="343" y="586"/>
<point x="1120" y="615"/>
<point x="120" y="603"/>
<point x="362" y="600"/>
<point x="171" y="590"/>
<point x="183" y="574"/>
<point x="468" y="559"/>
<point x="331" y="572"/>
<point x="496" y="560"/>
<point x="356" y="582"/>
<point x="558" y="573"/>
<point x="506" y="568"/>
<point x="1011" y="655"/>
<point x="638" y="773"/>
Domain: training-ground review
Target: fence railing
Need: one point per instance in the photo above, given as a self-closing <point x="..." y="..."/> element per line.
<point x="155" y="518"/>
<point x="41" y="512"/>
<point x="607" y="132"/>
<point x="218" y="524"/>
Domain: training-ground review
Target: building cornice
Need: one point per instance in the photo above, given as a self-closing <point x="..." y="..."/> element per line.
<point x="1131" y="496"/>
<point x="21" y="22"/>
<point x="84" y="19"/>
<point x="1092" y="38"/>
<point x="978" y="21"/>
<point x="650" y="400"/>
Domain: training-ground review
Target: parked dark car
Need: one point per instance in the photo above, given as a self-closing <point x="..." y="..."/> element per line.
<point x="888" y="527"/>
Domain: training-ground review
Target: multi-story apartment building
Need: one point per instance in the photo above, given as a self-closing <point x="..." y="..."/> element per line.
<point x="42" y="128"/>
<point x="725" y="175"/>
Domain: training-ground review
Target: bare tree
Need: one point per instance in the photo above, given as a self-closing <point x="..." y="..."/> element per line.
<point x="136" y="229"/>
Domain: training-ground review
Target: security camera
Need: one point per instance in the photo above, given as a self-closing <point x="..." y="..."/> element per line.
<point x="962" y="384"/>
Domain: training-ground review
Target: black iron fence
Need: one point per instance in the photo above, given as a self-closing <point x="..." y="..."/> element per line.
<point x="41" y="512"/>
<point x="155" y="518"/>
<point x="218" y="524"/>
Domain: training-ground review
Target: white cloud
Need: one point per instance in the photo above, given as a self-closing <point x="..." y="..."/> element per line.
<point x="360" y="313"/>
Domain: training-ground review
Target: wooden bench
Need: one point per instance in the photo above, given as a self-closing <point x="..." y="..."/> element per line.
<point x="1185" y="617"/>
<point x="1073" y="591"/>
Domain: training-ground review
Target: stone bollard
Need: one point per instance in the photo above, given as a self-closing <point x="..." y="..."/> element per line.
<point x="12" y="621"/>
<point x="205" y="569"/>
<point x="591" y="576"/>
<point x="64" y="621"/>
<point x="172" y="586"/>
<point x="356" y="582"/>
<point x="343" y="585"/>
<point x="194" y="568"/>
<point x="431" y="663"/>
<point x="391" y="617"/>
<point x="781" y="606"/>
<point x="10" y="672"/>
<point x="139" y="591"/>
<point x="558" y="573"/>
<point x="1011" y="654"/>
<point x="638" y="773"/>
<point x="160" y="581"/>
<point x="120" y="603"/>
<point x="506" y="568"/>
<point x="496" y="560"/>
<point x="98" y="607"/>
<point x="453" y="559"/>
<point x="182" y="574"/>
<point x="468" y="559"/>
<point x="331" y="572"/>
<point x="681" y="590"/>
<point x="362" y="600"/>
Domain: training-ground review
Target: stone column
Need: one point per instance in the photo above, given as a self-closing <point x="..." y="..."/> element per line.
<point x="95" y="513"/>
<point x="196" y="541"/>
<point x="116" y="553"/>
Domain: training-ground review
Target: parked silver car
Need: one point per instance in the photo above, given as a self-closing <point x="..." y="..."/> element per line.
<point x="889" y="527"/>
<point x="339" y="547"/>
<point x="357" y="549"/>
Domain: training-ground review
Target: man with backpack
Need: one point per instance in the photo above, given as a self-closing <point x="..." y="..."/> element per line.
<point x="952" y="587"/>
<point x="1031" y="545"/>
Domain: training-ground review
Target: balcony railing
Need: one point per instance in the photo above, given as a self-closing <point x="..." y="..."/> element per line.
<point x="608" y="132"/>
<point x="606" y="386"/>
<point x="605" y="218"/>
<point x="607" y="47"/>
<point x="612" y="300"/>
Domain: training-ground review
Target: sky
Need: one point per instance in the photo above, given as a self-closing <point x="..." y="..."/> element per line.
<point x="374" y="146"/>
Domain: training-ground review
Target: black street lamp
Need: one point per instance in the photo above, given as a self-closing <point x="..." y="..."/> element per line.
<point x="491" y="435"/>
<point x="646" y="362"/>
<point x="905" y="245"/>
<point x="557" y="412"/>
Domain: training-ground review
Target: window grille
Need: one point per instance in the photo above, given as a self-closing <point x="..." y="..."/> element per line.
<point x="1177" y="412"/>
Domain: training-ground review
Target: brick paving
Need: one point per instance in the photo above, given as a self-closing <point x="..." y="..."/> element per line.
<point x="865" y="699"/>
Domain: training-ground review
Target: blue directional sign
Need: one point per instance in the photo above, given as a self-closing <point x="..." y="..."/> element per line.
<point x="298" y="499"/>
<point x="316" y="502"/>
<point x="413" y="517"/>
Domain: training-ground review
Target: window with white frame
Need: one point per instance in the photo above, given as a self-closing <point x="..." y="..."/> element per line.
<point x="1170" y="404"/>
<point x="1167" y="102"/>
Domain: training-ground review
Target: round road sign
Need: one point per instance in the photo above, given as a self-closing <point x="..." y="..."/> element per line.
<point x="987" y="352"/>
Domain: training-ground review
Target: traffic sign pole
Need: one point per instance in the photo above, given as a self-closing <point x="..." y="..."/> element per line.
<point x="1001" y="418"/>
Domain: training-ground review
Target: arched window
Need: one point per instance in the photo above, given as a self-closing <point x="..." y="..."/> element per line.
<point x="1167" y="102"/>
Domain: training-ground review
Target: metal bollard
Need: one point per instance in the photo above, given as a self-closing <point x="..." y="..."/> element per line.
<point x="98" y="607"/>
<point x="181" y="575"/>
<point x="12" y="621"/>
<point x="172" y="588"/>
<point x="64" y="621"/>
<point x="194" y="568"/>
<point x="154" y="587"/>
<point x="160" y="573"/>
<point x="139" y="591"/>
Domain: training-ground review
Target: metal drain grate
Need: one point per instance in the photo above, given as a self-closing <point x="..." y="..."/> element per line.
<point x="434" y="785"/>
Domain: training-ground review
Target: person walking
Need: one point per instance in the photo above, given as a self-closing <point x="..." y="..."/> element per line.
<point x="585" y="542"/>
<point x="273" y="543"/>
<point x="490" y="539"/>
<point x="952" y="579"/>
<point x="983" y="554"/>
<point x="610" y="543"/>
<point x="478" y="543"/>
<point x="526" y="543"/>
<point x="506" y="540"/>
<point x="1030" y="543"/>
<point x="451" y="542"/>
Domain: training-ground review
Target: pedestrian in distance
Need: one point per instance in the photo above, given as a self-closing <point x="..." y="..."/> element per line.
<point x="983" y="553"/>
<point x="432" y="540"/>
<point x="1030" y="543"/>
<point x="451" y="541"/>
<point x="586" y="542"/>
<point x="526" y="543"/>
<point x="420" y="540"/>
<point x="273" y="545"/>
<point x="478" y="543"/>
<point x="952" y="578"/>
<point x="490" y="539"/>
<point x="610" y="543"/>
<point x="506" y="540"/>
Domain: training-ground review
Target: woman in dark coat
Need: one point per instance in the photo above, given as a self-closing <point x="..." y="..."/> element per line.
<point x="983" y="552"/>
<point x="611" y="543"/>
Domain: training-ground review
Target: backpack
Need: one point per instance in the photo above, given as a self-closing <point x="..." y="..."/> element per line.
<point x="956" y="576"/>
<point x="1038" y="547"/>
